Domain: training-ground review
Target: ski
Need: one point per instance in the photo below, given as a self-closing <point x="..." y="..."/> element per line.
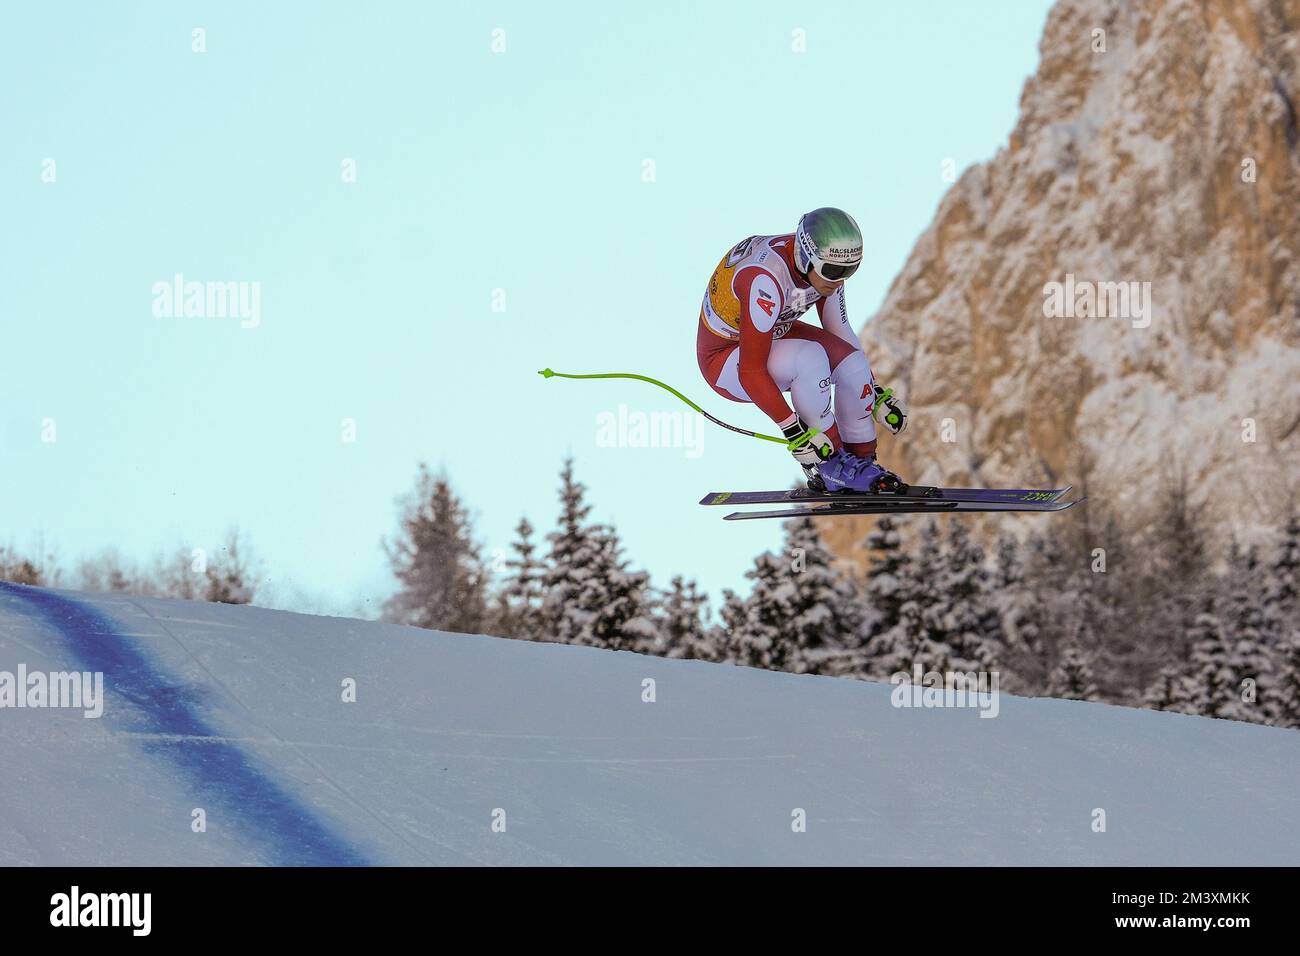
<point x="900" y="505"/>
<point x="913" y="493"/>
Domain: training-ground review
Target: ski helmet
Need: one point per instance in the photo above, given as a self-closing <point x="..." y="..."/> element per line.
<point x="827" y="241"/>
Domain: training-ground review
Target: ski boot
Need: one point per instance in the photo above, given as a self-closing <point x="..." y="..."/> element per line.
<point x="844" y="471"/>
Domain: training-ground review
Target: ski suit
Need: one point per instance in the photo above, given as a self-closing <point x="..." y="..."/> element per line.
<point x="752" y="348"/>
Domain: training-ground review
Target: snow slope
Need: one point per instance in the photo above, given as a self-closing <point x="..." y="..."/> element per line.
<point x="238" y="711"/>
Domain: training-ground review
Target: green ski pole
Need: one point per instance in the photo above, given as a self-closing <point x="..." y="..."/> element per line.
<point x="792" y="445"/>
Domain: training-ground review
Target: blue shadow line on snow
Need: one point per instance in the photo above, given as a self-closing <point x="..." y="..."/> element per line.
<point x="273" y="819"/>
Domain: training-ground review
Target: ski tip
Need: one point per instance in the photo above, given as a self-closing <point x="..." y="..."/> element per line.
<point x="715" y="498"/>
<point x="1063" y="505"/>
<point x="545" y="373"/>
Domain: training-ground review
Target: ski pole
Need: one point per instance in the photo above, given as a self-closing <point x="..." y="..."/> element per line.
<point x="798" y="442"/>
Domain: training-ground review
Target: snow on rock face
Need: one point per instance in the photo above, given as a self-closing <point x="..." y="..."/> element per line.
<point x="1172" y="158"/>
<point x="241" y="713"/>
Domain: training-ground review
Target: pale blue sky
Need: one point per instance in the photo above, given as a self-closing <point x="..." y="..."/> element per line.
<point x="520" y="171"/>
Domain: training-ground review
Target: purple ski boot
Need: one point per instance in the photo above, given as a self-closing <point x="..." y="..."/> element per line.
<point x="847" y="472"/>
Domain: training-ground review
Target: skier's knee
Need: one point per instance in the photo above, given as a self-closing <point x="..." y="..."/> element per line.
<point x="852" y="370"/>
<point x="814" y="364"/>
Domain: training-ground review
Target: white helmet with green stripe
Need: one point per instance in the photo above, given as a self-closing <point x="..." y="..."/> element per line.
<point x="827" y="241"/>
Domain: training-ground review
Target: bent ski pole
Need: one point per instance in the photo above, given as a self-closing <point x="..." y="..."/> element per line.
<point x="798" y="442"/>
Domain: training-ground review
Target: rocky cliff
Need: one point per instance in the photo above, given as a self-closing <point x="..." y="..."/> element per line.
<point x="1115" y="296"/>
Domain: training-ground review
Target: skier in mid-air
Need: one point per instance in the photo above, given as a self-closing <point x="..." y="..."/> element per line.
<point x="752" y="347"/>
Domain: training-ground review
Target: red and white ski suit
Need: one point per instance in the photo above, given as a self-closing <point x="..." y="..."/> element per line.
<point x="752" y="348"/>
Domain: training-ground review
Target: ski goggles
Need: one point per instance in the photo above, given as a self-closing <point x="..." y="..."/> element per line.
<point x="834" y="271"/>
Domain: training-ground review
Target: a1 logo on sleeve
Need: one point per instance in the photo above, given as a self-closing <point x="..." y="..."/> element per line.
<point x="763" y="303"/>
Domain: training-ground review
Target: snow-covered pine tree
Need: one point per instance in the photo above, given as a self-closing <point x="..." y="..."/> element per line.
<point x="590" y="595"/>
<point x="917" y="636"/>
<point x="519" y="603"/>
<point x="1286" y="704"/>
<point x="619" y="599"/>
<point x="1029" y="648"/>
<point x="1041" y="610"/>
<point x="733" y="622"/>
<point x="828" y="611"/>
<point x="1181" y="568"/>
<point x="682" y="625"/>
<point x="915" y="644"/>
<point x="1046" y="556"/>
<point x="758" y="626"/>
<point x="1018" y="609"/>
<point x="886" y="576"/>
<point x="1282" y="579"/>
<point x="1213" y="683"/>
<point x="1248" y="643"/>
<point x="967" y="618"/>
<point x="1008" y="568"/>
<point x="1072" y="678"/>
<point x="573" y="549"/>
<point x="802" y="613"/>
<point x="441" y="579"/>
<point x="1107" y="608"/>
<point x="1171" y="692"/>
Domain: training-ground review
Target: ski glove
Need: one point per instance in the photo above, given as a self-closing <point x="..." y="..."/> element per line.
<point x="895" y="417"/>
<point x="815" y="449"/>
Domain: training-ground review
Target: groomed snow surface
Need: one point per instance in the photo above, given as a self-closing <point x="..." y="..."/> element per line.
<point x="238" y="711"/>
